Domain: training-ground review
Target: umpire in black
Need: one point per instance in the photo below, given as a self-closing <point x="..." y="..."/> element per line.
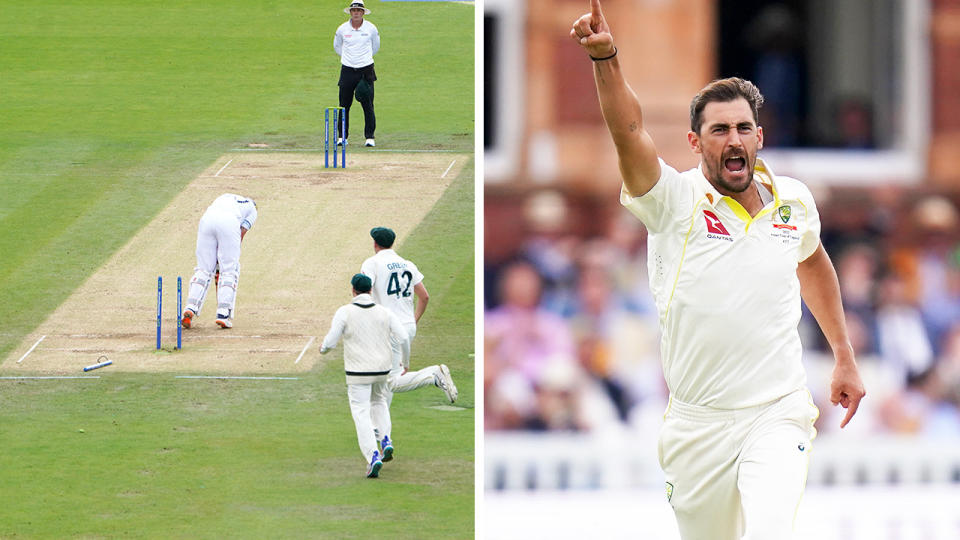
<point x="356" y="41"/>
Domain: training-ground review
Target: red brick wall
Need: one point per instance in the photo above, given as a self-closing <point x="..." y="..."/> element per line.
<point x="945" y="147"/>
<point x="666" y="50"/>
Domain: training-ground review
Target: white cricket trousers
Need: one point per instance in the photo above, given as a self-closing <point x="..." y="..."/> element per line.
<point x="411" y="380"/>
<point x="218" y="239"/>
<point x="737" y="474"/>
<point x="368" y="404"/>
<point x="405" y="382"/>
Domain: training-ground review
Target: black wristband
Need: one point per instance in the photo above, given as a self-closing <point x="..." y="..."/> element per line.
<point x="595" y="59"/>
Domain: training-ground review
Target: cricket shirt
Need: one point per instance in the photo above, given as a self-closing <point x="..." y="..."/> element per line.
<point x="726" y="285"/>
<point x="242" y="208"/>
<point x="367" y="331"/>
<point x="393" y="281"/>
<point x="356" y="46"/>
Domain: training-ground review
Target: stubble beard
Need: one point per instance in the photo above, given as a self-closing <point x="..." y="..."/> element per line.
<point x="715" y="175"/>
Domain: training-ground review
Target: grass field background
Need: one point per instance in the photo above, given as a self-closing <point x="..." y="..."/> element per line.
<point x="107" y="109"/>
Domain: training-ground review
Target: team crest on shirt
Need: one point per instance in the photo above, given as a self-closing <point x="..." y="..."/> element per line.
<point x="669" y="491"/>
<point x="715" y="228"/>
<point x="784" y="212"/>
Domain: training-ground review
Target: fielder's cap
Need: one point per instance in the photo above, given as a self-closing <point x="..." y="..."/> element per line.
<point x="356" y="5"/>
<point x="363" y="91"/>
<point x="383" y="236"/>
<point x="361" y="283"/>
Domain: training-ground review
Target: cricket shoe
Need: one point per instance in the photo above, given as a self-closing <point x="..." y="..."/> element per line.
<point x="187" y="319"/>
<point x="387" y="447"/>
<point x="224" y="322"/>
<point x="445" y="382"/>
<point x="370" y="142"/>
<point x="373" y="470"/>
<point x="341" y="141"/>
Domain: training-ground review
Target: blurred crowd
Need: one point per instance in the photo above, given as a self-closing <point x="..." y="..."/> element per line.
<point x="571" y="330"/>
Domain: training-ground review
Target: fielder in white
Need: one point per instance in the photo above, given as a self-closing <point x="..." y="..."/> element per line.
<point x="396" y="281"/>
<point x="368" y="332"/>
<point x="731" y="248"/>
<point x="221" y="229"/>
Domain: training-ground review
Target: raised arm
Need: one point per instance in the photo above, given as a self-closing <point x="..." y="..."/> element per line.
<point x="620" y="105"/>
<point x="821" y="292"/>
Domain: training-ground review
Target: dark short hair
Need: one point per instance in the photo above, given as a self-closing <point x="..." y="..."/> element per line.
<point x="383" y="236"/>
<point x="361" y="283"/>
<point x="724" y="90"/>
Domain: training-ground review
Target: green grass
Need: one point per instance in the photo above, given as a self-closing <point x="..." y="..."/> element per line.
<point x="107" y="110"/>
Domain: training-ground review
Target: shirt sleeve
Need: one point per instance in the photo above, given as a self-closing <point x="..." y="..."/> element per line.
<point x="374" y="41"/>
<point x="338" y="42"/>
<point x="417" y="275"/>
<point x="337" y="326"/>
<point x="251" y="217"/>
<point x="810" y="240"/>
<point x="670" y="199"/>
<point x="368" y="268"/>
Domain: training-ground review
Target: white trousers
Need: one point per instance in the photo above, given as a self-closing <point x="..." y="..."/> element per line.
<point x="401" y="351"/>
<point x="370" y="409"/>
<point x="218" y="239"/>
<point x="411" y="380"/>
<point x="405" y="382"/>
<point x="737" y="474"/>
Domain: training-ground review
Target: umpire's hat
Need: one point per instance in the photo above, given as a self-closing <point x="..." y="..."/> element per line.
<point x="356" y="4"/>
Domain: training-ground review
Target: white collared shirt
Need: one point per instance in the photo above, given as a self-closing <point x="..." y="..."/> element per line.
<point x="393" y="281"/>
<point x="356" y="46"/>
<point x="726" y="286"/>
<point x="244" y="209"/>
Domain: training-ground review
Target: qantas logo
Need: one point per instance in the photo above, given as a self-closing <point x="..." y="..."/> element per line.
<point x="715" y="228"/>
<point x="713" y="224"/>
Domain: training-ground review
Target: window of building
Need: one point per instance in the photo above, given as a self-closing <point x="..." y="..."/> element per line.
<point x="846" y="84"/>
<point x="503" y="84"/>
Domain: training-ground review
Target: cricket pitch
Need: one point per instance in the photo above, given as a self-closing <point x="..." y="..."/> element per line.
<point x="311" y="235"/>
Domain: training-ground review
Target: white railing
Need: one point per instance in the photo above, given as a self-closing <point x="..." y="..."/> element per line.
<point x="559" y="461"/>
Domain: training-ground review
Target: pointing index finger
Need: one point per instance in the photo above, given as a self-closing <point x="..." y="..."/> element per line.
<point x="595" y="10"/>
<point x="851" y="410"/>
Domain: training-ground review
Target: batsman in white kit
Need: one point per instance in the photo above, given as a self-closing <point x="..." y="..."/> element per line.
<point x="368" y="333"/>
<point x="396" y="281"/>
<point x="221" y="230"/>
<point x="731" y="247"/>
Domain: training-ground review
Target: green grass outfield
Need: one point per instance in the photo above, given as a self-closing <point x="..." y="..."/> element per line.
<point x="107" y="109"/>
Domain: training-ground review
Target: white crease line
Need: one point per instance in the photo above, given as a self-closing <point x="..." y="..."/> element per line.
<point x="229" y="337"/>
<point x="31" y="349"/>
<point x="448" y="169"/>
<point x="222" y="168"/>
<point x="54" y="377"/>
<point x="109" y="336"/>
<point x="379" y="150"/>
<point x="305" y="347"/>
<point x="243" y="378"/>
<point x="113" y="336"/>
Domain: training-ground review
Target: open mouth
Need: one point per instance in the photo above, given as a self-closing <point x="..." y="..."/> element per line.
<point x="735" y="164"/>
